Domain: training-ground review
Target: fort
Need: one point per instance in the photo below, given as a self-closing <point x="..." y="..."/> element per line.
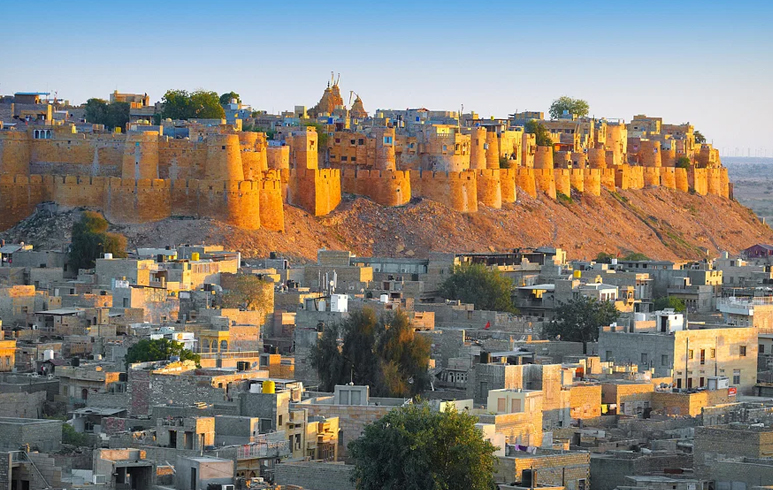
<point x="240" y="178"/>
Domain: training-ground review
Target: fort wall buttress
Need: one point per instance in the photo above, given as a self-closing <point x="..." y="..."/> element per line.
<point x="545" y="180"/>
<point x="492" y="150"/>
<point x="593" y="180"/>
<point x="651" y="176"/>
<point x="384" y="148"/>
<point x="318" y="191"/>
<point x="668" y="177"/>
<point x="278" y="157"/>
<point x="597" y="158"/>
<point x="271" y="205"/>
<point x="489" y="187"/>
<point x="697" y="178"/>
<point x="140" y="156"/>
<point x="649" y="154"/>
<point x="608" y="179"/>
<point x="74" y="191"/>
<point x="19" y="194"/>
<point x="507" y="179"/>
<point x="478" y="148"/>
<point x="14" y="153"/>
<point x="526" y="180"/>
<point x="713" y="181"/>
<point x="543" y="157"/>
<point x="457" y="190"/>
<point x="577" y="177"/>
<point x="563" y="181"/>
<point x="681" y="180"/>
<point x="234" y="202"/>
<point x="724" y="182"/>
<point x="224" y="158"/>
<point x="637" y="177"/>
<point x="387" y="188"/>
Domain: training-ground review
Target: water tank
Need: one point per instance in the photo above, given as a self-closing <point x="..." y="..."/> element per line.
<point x="384" y="298"/>
<point x="614" y="261"/>
<point x="48" y="354"/>
<point x="269" y="387"/>
<point x="577" y="274"/>
<point x="195" y="256"/>
<point x="108" y="256"/>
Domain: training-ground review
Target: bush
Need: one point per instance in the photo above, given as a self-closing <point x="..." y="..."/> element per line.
<point x="90" y="240"/>
<point x="486" y="288"/>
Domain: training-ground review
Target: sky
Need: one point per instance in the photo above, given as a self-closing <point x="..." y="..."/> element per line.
<point x="706" y="62"/>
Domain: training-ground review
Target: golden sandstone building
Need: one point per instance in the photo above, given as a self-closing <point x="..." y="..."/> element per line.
<point x="239" y="178"/>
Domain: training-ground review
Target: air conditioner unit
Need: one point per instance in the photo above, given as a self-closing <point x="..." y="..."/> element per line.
<point x="226" y="487"/>
<point x="100" y="479"/>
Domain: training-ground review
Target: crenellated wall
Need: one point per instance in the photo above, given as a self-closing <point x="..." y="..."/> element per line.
<point x="545" y="181"/>
<point x="593" y="180"/>
<point x="525" y="180"/>
<point x="681" y="180"/>
<point x="698" y="180"/>
<point x="386" y="187"/>
<point x="651" y="176"/>
<point x="668" y="177"/>
<point x="318" y="191"/>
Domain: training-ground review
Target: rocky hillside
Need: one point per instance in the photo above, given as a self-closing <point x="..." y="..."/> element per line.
<point x="660" y="223"/>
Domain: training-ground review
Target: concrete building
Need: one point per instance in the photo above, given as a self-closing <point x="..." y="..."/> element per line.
<point x="690" y="356"/>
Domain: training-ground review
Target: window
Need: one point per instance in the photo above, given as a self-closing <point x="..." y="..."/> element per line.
<point x="703" y="357"/>
<point x="343" y="159"/>
<point x="689" y="383"/>
<point x="338" y="140"/>
<point x="742" y="351"/>
<point x="690" y="354"/>
<point x="354" y="159"/>
<point x="387" y="140"/>
<point x="679" y="383"/>
<point x="644" y="359"/>
<point x="608" y="356"/>
<point x="501" y="404"/>
<point x="736" y="376"/>
<point x="713" y="353"/>
<point x="762" y="348"/>
<point x="361" y="141"/>
<point x="351" y="142"/>
<point x="515" y="405"/>
<point x="664" y="360"/>
<point x="224" y="147"/>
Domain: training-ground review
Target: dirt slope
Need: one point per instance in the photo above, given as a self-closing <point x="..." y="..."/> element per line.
<point x="658" y="222"/>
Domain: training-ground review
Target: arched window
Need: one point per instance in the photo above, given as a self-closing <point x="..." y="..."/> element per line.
<point x="223" y="346"/>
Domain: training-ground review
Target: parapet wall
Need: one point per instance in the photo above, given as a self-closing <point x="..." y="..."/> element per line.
<point x="457" y="190"/>
<point x="388" y="188"/>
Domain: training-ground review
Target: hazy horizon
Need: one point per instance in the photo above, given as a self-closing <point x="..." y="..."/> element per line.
<point x="703" y="62"/>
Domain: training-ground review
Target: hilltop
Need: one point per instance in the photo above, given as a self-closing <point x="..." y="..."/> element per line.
<point x="658" y="222"/>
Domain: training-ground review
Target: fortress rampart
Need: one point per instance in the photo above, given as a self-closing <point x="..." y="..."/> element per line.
<point x="239" y="179"/>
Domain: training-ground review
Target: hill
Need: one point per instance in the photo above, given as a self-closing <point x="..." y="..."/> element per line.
<point x="658" y="222"/>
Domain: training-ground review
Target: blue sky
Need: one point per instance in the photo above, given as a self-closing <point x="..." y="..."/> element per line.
<point x="706" y="62"/>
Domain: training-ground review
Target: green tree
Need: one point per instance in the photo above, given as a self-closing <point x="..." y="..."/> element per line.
<point x="111" y="115"/>
<point x="206" y="105"/>
<point x="249" y="292"/>
<point x="579" y="320"/>
<point x="576" y="107"/>
<point x="699" y="138"/>
<point x="683" y="162"/>
<point x="635" y="256"/>
<point x="542" y="134"/>
<point x="90" y="240"/>
<point x="179" y="104"/>
<point x="416" y="448"/>
<point x="226" y="98"/>
<point x="384" y="353"/>
<point x="673" y="302"/>
<point x="604" y="258"/>
<point x="73" y="437"/>
<point x="486" y="288"/>
<point x="158" y="350"/>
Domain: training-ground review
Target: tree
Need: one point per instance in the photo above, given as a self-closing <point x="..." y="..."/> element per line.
<point x="683" y="162"/>
<point x="158" y="350"/>
<point x="635" y="257"/>
<point x="179" y="104"/>
<point x="576" y="107"/>
<point x="416" y="448"/>
<point x="604" y="258"/>
<point x="579" y="320"/>
<point x="73" y="437"/>
<point x="249" y="292"/>
<point x="226" y="98"/>
<point x="673" y="302"/>
<point x="90" y="240"/>
<point x="384" y="353"/>
<point x="113" y="115"/>
<point x="699" y="138"/>
<point x="486" y="288"/>
<point x="542" y="134"/>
